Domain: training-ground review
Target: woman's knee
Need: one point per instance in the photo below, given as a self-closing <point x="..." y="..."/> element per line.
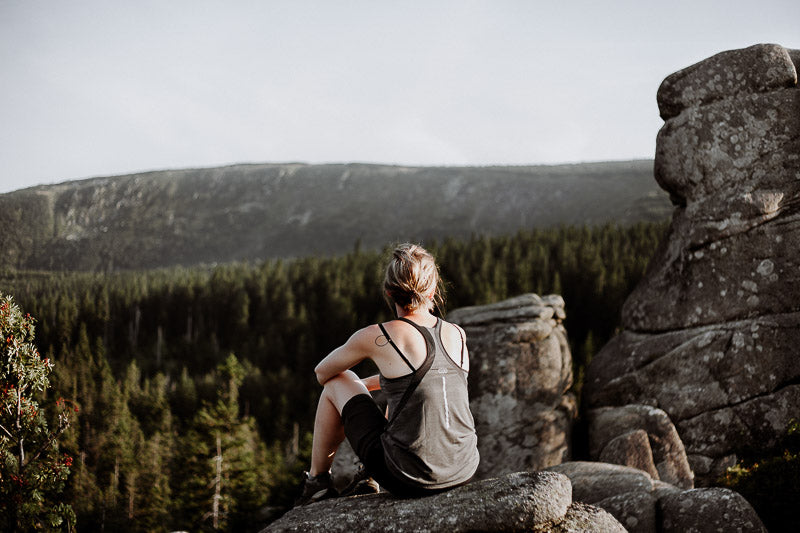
<point x="348" y="375"/>
<point x="339" y="389"/>
<point x="341" y="380"/>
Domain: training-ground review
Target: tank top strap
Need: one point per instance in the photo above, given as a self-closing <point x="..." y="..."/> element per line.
<point x="391" y="342"/>
<point x="438" y="330"/>
<point x="419" y="328"/>
<point x="437" y="335"/>
<point x="463" y="345"/>
<point x="422" y="329"/>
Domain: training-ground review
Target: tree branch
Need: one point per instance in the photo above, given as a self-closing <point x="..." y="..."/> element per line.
<point x="46" y="444"/>
<point x="10" y="436"/>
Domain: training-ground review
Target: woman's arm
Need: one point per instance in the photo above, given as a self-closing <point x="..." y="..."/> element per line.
<point x="373" y="382"/>
<point x="356" y="349"/>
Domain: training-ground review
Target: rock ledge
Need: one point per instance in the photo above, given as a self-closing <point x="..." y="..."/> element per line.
<point x="521" y="501"/>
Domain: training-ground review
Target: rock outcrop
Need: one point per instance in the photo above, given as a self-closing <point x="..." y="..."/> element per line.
<point x="520" y="371"/>
<point x="525" y="501"/>
<point x="711" y="333"/>
<point x="644" y="505"/>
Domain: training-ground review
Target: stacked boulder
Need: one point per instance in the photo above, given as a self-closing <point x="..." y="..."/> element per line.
<point x="520" y="372"/>
<point x="711" y="333"/>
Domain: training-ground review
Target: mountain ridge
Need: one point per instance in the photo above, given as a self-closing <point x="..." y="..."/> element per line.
<point x="255" y="211"/>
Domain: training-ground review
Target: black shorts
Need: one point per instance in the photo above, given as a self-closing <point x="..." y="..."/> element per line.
<point x="364" y="423"/>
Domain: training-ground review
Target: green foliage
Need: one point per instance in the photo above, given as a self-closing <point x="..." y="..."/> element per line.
<point x="221" y="476"/>
<point x="32" y="471"/>
<point x="771" y="483"/>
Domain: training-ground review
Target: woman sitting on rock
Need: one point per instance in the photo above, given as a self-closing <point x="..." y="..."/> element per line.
<point x="426" y="443"/>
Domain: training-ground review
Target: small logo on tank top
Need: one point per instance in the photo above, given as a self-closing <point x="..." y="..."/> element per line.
<point x="442" y="371"/>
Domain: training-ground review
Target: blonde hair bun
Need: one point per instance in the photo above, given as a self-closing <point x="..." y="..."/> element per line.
<point x="412" y="278"/>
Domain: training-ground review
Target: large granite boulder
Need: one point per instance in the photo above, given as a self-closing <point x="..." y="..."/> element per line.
<point x="711" y="332"/>
<point x="524" y="501"/>
<point x="520" y="371"/>
<point x="644" y="505"/>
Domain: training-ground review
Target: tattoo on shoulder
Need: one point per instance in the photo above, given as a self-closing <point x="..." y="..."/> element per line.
<point x="380" y="343"/>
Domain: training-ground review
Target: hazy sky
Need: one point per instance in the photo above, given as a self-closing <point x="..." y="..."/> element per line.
<point x="93" y="88"/>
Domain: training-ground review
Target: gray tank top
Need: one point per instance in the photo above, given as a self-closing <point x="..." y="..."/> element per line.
<point x="431" y="442"/>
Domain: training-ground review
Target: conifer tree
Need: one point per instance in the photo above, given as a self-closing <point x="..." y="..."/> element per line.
<point x="32" y="472"/>
<point x="221" y="480"/>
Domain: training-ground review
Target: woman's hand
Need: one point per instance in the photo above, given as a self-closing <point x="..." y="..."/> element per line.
<point x="372" y="383"/>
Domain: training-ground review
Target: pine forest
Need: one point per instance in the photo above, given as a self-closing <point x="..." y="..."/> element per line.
<point x="191" y="391"/>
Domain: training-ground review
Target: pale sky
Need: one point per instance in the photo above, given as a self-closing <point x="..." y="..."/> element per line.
<point x="96" y="88"/>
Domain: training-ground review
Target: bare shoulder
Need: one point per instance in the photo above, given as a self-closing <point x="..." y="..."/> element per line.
<point x="365" y="337"/>
<point x="450" y="329"/>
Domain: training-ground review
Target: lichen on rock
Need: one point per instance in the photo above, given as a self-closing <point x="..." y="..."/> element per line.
<point x="711" y="332"/>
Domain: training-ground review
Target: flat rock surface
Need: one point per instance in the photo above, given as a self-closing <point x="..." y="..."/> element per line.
<point x="523" y="307"/>
<point x="515" y="502"/>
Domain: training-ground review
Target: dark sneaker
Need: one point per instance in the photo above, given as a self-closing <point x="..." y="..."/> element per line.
<point x="362" y="484"/>
<point x="316" y="488"/>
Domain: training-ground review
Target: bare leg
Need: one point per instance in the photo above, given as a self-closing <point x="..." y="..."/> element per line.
<point x="328" y="429"/>
<point x="328" y="434"/>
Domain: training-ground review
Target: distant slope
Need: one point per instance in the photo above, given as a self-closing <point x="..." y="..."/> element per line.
<point x="185" y="217"/>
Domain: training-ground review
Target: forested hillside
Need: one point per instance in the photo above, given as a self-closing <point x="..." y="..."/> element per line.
<point x="185" y="377"/>
<point x="256" y="212"/>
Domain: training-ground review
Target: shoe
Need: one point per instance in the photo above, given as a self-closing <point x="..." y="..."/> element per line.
<point x="362" y="484"/>
<point x="316" y="488"/>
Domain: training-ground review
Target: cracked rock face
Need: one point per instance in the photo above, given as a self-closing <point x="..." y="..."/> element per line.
<point x="711" y="333"/>
<point x="520" y="371"/>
